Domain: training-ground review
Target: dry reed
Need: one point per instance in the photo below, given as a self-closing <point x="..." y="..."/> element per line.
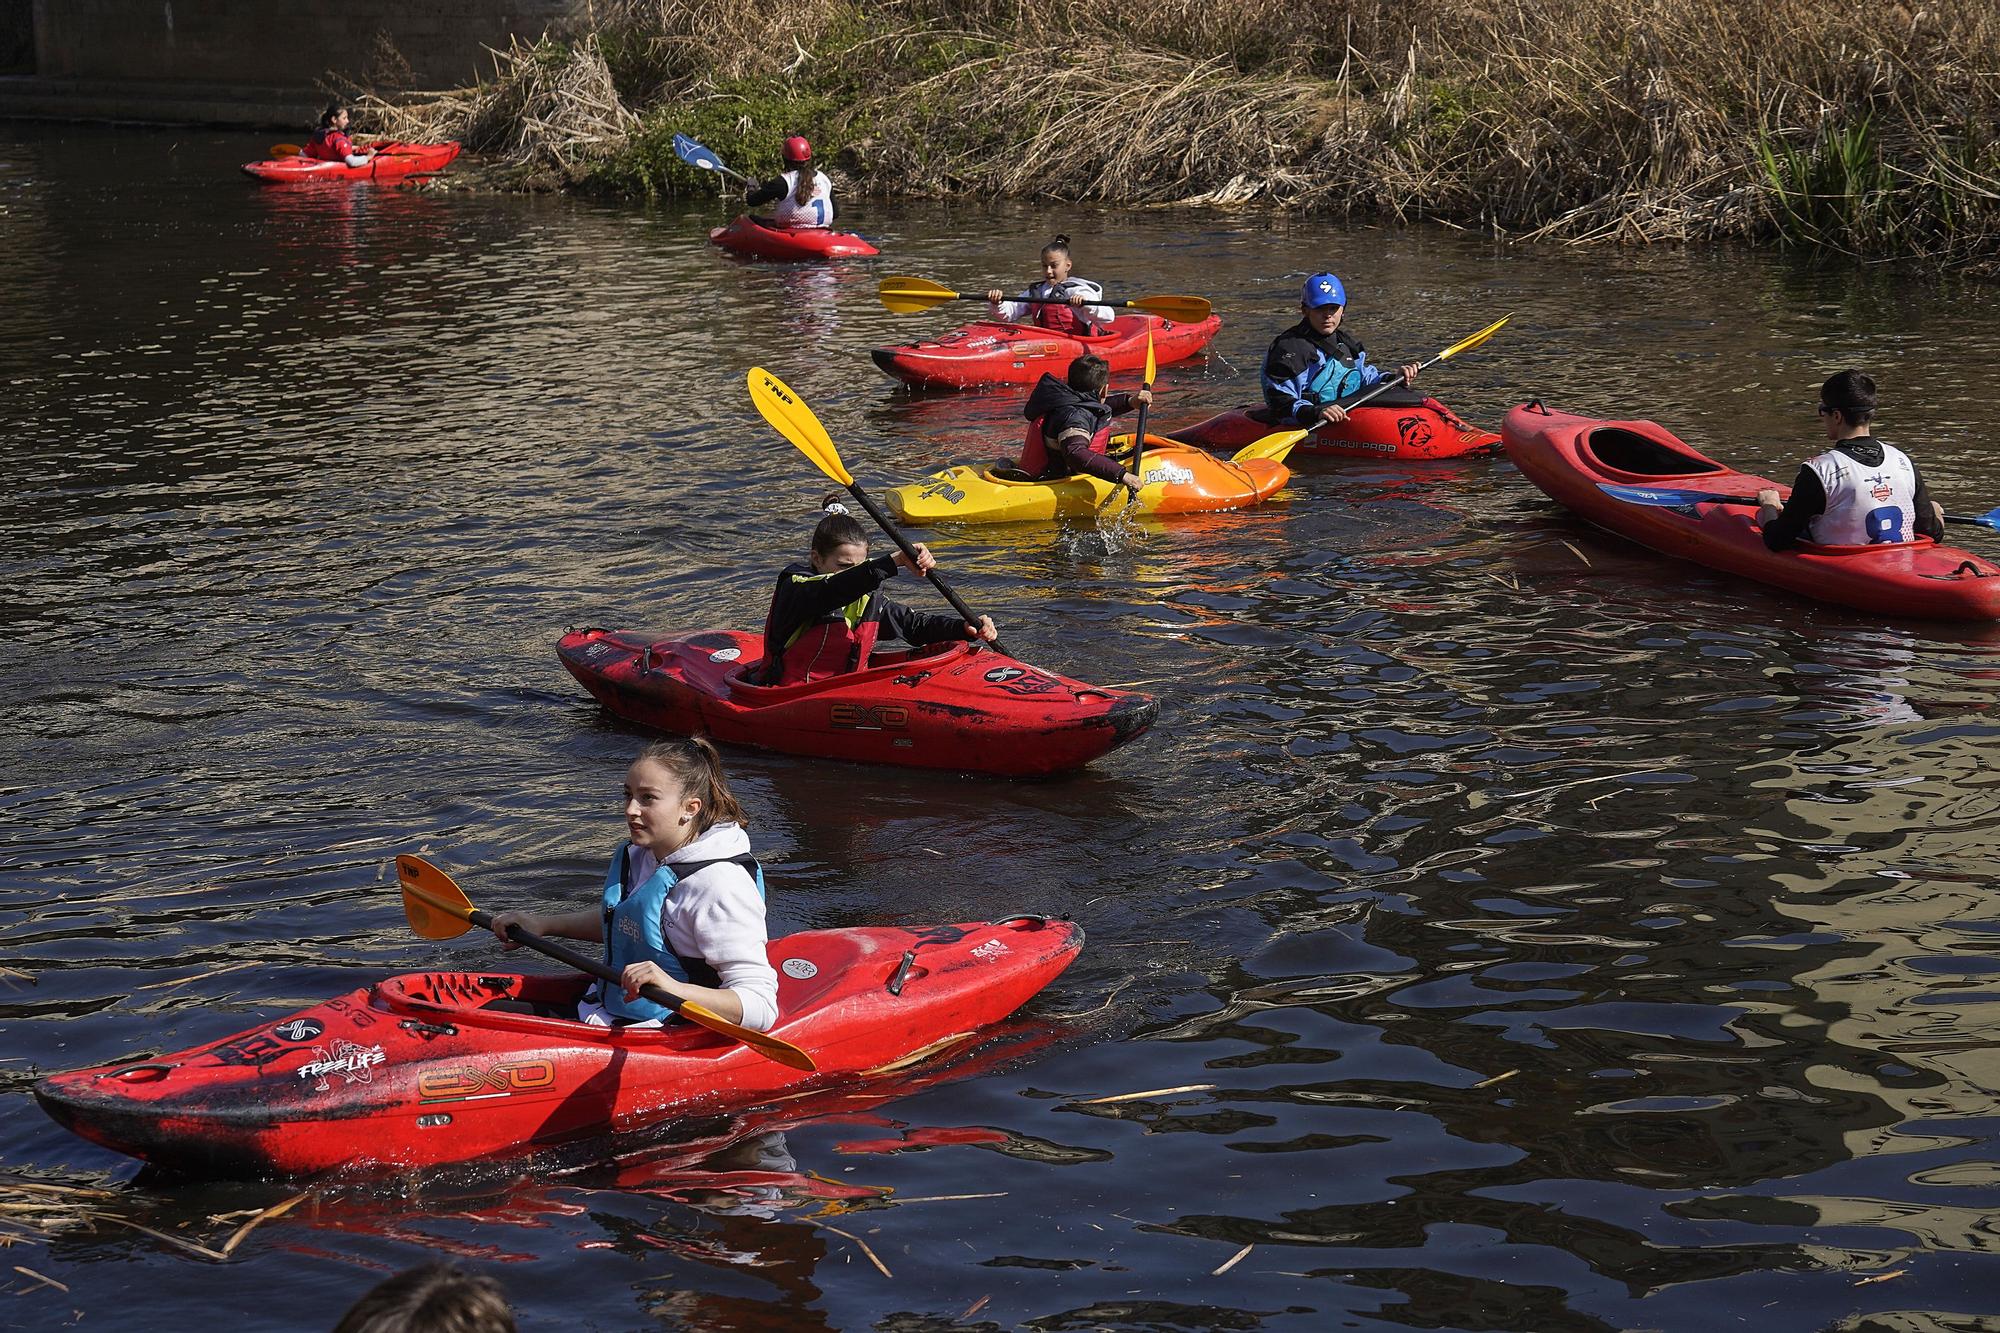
<point x="1852" y="125"/>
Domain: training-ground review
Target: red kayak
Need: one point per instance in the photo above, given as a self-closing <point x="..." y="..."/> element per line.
<point x="757" y="238"/>
<point x="953" y="705"/>
<point x="1399" y="424"/>
<point x="414" y="1072"/>
<point x="392" y="162"/>
<point x="1571" y="457"/>
<point x="987" y="353"/>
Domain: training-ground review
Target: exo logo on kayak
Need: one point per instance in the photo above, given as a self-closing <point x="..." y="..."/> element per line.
<point x="868" y="717"/>
<point x="465" y="1082"/>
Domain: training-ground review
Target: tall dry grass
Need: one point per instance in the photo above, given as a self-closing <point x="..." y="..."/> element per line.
<point x="1852" y="125"/>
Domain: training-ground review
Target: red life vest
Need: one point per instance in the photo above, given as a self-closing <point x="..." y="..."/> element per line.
<point x="829" y="647"/>
<point x="1065" y="319"/>
<point x="1036" y="456"/>
<point x="328" y="146"/>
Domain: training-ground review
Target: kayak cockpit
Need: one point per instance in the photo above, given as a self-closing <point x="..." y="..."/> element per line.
<point x="881" y="666"/>
<point x="1631" y="453"/>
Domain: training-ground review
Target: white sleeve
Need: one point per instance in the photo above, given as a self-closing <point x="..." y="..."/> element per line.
<point x="1097" y="314"/>
<point x="357" y="160"/>
<point x="727" y="923"/>
<point x="1017" y="312"/>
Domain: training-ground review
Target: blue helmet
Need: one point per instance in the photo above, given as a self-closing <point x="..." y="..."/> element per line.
<point x="1322" y="289"/>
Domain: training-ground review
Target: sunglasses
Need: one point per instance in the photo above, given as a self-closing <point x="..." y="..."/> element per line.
<point x="1825" y="411"/>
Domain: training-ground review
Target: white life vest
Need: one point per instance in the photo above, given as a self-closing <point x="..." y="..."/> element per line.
<point x="1865" y="506"/>
<point x="814" y="212"/>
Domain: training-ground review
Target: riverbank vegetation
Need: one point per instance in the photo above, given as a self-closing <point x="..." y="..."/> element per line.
<point x="1859" y="126"/>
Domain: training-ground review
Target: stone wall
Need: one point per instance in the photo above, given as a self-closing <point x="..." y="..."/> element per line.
<point x="281" y="43"/>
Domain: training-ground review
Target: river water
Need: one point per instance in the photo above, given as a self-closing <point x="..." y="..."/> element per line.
<point x="1539" y="935"/>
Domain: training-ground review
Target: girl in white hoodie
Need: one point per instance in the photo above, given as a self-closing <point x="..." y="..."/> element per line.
<point x="683" y="903"/>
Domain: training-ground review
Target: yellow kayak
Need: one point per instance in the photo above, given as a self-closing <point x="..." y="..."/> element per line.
<point x="1178" y="479"/>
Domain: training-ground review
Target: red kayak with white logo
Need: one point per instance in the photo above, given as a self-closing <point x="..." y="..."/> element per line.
<point x="1400" y="424"/>
<point x="991" y="353"/>
<point x="1574" y="458"/>
<point x="413" y="1071"/>
<point x="952" y="705"/>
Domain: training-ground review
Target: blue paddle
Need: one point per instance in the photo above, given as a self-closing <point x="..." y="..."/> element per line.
<point x="695" y="155"/>
<point x="1661" y="497"/>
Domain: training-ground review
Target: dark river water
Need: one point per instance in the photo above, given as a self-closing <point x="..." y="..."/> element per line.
<point x="1533" y="933"/>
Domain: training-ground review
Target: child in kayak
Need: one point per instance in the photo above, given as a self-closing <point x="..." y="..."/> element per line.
<point x="1078" y="317"/>
<point x="804" y="196"/>
<point x="1069" y="425"/>
<point x="1315" y="362"/>
<point x="825" y="614"/>
<point x="1861" y="492"/>
<point x="329" y="143"/>
<point x="683" y="905"/>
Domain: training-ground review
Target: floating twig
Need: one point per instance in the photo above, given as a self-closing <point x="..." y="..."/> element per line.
<point x="1150" y="1092"/>
<point x="1233" y="1260"/>
<point x="872" y="1258"/>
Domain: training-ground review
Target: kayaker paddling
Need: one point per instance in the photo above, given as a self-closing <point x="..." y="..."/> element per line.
<point x="1861" y="492"/>
<point x="1078" y="316"/>
<point x="826" y="614"/>
<point x="683" y="902"/>
<point x="1314" y="363"/>
<point x="802" y="194"/>
<point x="329" y="143"/>
<point x="1069" y="425"/>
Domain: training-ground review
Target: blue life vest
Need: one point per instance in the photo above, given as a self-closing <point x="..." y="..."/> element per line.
<point x="1335" y="379"/>
<point x="633" y="934"/>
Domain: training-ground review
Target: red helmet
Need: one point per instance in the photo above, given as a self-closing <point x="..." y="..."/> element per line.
<point x="797" y="149"/>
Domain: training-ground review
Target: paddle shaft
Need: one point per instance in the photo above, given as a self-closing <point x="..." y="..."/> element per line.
<point x="1716" y="498"/>
<point x="896" y="536"/>
<point x="571" y="958"/>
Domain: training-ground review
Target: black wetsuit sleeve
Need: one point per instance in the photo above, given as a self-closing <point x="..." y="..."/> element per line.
<point x="801" y="599"/>
<point x="1927" y="519"/>
<point x="919" y="627"/>
<point x="1806" y="503"/>
<point x="1120" y="404"/>
<point x="1077" y="453"/>
<point x="769" y="192"/>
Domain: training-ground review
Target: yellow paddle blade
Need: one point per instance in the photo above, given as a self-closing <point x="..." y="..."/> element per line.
<point x="773" y="1047"/>
<point x="1179" y="309"/>
<point x="906" y="296"/>
<point x="285" y="150"/>
<point x="437" y="908"/>
<point x="796" y="422"/>
<point x="1152" y="366"/>
<point x="1468" y="344"/>
<point x="1273" y="446"/>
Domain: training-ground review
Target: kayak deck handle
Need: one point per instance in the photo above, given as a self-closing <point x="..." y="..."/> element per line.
<point x="902" y="973"/>
<point x="150" y="1072"/>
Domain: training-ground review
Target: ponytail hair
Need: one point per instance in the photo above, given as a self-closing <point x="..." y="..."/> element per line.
<point x="697" y="766"/>
<point x="802" y="191"/>
<point x="1059" y="244"/>
<point x="326" y="117"/>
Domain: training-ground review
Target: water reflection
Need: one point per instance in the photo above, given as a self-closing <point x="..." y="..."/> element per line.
<point x="1503" y="928"/>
